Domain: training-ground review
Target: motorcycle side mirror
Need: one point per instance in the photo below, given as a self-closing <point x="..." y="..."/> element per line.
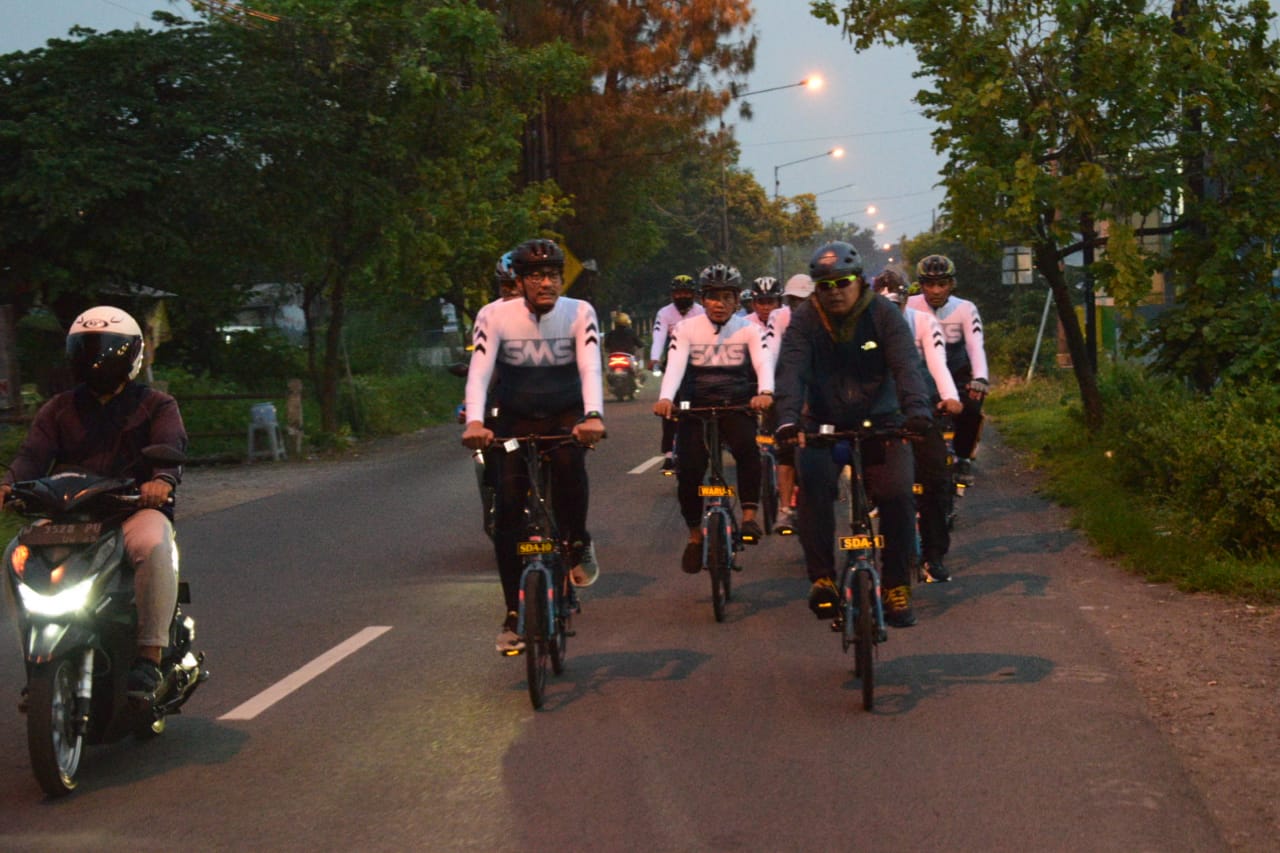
<point x="163" y="453"/>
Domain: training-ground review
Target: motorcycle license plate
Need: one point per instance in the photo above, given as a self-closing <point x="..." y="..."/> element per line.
<point x="715" y="491"/>
<point x="60" y="534"/>
<point x="526" y="548"/>
<point x="857" y="543"/>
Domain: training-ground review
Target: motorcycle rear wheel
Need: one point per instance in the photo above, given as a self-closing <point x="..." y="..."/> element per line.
<point x="52" y="741"/>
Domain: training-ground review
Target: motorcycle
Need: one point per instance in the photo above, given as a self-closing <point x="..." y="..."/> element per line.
<point x="72" y="584"/>
<point x="622" y="371"/>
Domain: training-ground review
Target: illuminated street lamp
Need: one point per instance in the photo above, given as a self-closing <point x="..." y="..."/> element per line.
<point x="813" y="83"/>
<point x="836" y="152"/>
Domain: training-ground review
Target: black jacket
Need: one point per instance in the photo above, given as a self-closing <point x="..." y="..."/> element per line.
<point x="873" y="376"/>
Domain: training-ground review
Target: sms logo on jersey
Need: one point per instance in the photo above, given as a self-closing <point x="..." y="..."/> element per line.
<point x="537" y="352"/>
<point x="718" y="355"/>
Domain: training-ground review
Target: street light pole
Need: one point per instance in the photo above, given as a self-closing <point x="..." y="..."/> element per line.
<point x="836" y="152"/>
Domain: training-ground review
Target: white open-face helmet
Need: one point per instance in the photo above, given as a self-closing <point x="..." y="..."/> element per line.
<point x="105" y="347"/>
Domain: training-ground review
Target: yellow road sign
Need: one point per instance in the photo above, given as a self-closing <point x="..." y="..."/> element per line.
<point x="572" y="267"/>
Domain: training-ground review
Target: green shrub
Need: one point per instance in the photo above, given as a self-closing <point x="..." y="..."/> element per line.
<point x="388" y="405"/>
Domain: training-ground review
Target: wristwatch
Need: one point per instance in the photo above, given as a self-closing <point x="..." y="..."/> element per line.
<point x="592" y="414"/>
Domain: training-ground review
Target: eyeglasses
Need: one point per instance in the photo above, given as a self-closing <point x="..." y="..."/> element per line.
<point x="539" y="276"/>
<point x="835" y="283"/>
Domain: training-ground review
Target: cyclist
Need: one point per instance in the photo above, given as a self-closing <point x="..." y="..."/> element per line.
<point x="544" y="350"/>
<point x="102" y="425"/>
<point x="848" y="357"/>
<point x="799" y="288"/>
<point x="966" y="357"/>
<point x="717" y="359"/>
<point x="684" y="292"/>
<point x="775" y="317"/>
<point x="930" y="451"/>
<point x="746" y="303"/>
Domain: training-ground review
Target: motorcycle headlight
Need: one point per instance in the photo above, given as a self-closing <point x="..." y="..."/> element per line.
<point x="60" y="603"/>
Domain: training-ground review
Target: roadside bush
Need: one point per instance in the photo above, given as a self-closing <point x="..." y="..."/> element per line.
<point x="1009" y="348"/>
<point x="1211" y="459"/>
<point x="259" y="360"/>
<point x="389" y="405"/>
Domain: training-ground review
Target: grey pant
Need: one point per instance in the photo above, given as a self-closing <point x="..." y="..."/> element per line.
<point x="149" y="542"/>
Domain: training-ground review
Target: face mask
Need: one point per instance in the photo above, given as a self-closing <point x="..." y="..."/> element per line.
<point x="683" y="303"/>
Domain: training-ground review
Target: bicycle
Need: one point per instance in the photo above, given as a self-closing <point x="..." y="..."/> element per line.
<point x="547" y="599"/>
<point x="720" y="539"/>
<point x="860" y="617"/>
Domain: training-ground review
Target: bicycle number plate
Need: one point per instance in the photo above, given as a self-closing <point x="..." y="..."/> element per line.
<point x="539" y="547"/>
<point x="715" y="491"/>
<point x="858" y="543"/>
<point x="60" y="534"/>
<point x="917" y="488"/>
<point x="764" y="439"/>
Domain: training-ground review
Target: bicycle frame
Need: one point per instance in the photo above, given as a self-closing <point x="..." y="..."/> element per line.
<point x="863" y="544"/>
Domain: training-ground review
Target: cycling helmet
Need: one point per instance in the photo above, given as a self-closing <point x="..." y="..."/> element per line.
<point x="502" y="271"/>
<point x="834" y="260"/>
<point x="621" y="319"/>
<point x="536" y="254"/>
<point x="934" y="268"/>
<point x="720" y="277"/>
<point x="891" y="285"/>
<point x="684" y="282"/>
<point x="105" y="348"/>
<point x="767" y="287"/>
<point x="747" y="296"/>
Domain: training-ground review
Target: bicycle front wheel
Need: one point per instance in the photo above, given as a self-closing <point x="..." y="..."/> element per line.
<point x="719" y="553"/>
<point x="537" y="647"/>
<point x="559" y="634"/>
<point x="864" y="636"/>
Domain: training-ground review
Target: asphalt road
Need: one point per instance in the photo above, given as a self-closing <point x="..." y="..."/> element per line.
<point x="1003" y="720"/>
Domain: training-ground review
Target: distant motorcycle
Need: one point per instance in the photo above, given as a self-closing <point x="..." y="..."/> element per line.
<point x="73" y="586"/>
<point x="622" y="372"/>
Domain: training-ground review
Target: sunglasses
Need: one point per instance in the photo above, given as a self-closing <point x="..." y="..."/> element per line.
<point x="836" y="283"/>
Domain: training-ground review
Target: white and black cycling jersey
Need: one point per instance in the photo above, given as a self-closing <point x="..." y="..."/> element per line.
<point x="779" y="319"/>
<point x="709" y="364"/>
<point x="929" y="341"/>
<point x="962" y="332"/>
<point x="543" y="365"/>
<point x="668" y="318"/>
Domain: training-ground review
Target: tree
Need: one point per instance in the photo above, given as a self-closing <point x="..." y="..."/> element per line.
<point x="1066" y="126"/>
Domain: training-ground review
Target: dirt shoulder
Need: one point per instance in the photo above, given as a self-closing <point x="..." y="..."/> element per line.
<point x="1208" y="667"/>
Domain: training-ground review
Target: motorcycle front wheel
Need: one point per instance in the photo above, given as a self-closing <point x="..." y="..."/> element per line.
<point x="52" y="739"/>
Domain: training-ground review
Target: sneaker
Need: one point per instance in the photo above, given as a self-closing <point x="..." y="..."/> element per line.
<point x="144" y="679"/>
<point x="897" y="607"/>
<point x="587" y="570"/>
<point x="964" y="472"/>
<point x="669" y="466"/>
<point x="509" y="642"/>
<point x="935" y="572"/>
<point x="691" y="562"/>
<point x="823" y="598"/>
<point x="751" y="532"/>
<point x="786" y="523"/>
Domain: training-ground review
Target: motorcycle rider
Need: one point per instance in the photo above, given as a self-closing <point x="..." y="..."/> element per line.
<point x="932" y="471"/>
<point x="682" y="305"/>
<point x="622" y="337"/>
<point x="101" y="425"/>
<point x="848" y="357"/>
<point x="717" y="359"/>
<point x="966" y="355"/>
<point x="544" y="349"/>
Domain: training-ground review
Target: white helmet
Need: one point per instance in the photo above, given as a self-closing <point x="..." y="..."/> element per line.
<point x="105" y="348"/>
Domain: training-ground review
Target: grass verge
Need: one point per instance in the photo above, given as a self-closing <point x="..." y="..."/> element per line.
<point x="1146" y="534"/>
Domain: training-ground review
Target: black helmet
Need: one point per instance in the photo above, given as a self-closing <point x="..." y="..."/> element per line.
<point x="502" y="271"/>
<point x="684" y="282"/>
<point x="767" y="287"/>
<point x="747" y="296"/>
<point x="720" y="277"/>
<point x="890" y="284"/>
<point x="535" y="254"/>
<point x="934" y="268"/>
<point x="834" y="260"/>
<point x="104" y="347"/>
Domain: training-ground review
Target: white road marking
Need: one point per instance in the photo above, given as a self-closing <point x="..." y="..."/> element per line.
<point x="645" y="466"/>
<point x="287" y="685"/>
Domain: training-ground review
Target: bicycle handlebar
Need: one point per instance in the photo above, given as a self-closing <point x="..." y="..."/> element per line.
<point x="551" y="442"/>
<point x="827" y="432"/>
<point x="711" y="411"/>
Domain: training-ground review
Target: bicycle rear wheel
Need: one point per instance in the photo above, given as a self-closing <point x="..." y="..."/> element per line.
<point x="559" y="636"/>
<point x="864" y="636"/>
<point x="768" y="491"/>
<point x="718" y="557"/>
<point x="537" y="647"/>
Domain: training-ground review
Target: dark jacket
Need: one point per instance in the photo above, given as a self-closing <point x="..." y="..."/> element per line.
<point x="872" y="376"/>
<point x="73" y="429"/>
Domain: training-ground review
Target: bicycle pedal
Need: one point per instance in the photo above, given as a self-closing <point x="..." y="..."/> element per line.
<point x="837" y="626"/>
